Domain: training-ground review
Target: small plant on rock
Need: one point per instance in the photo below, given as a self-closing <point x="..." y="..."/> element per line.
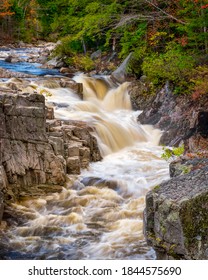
<point x="171" y="153"/>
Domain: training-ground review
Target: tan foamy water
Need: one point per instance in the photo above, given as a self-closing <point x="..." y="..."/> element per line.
<point x="100" y="215"/>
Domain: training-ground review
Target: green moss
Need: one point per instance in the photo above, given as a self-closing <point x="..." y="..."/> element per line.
<point x="194" y="219"/>
<point x="185" y="169"/>
<point x="156" y="188"/>
<point x="163" y="229"/>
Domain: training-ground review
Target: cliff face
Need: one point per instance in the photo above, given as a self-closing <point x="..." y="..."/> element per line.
<point x="182" y="119"/>
<point x="36" y="154"/>
<point x="27" y="156"/>
<point x="176" y="215"/>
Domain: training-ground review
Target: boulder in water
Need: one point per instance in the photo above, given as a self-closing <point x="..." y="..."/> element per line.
<point x="54" y="63"/>
<point x="34" y="152"/>
<point x="100" y="182"/>
<point x="8" y="59"/>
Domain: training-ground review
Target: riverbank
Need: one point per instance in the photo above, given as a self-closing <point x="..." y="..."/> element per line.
<point x="176" y="217"/>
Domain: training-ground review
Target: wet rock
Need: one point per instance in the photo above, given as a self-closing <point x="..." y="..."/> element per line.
<point x="35" y="152"/>
<point x="100" y="182"/>
<point x="8" y="59"/>
<point x="54" y="63"/>
<point x="176" y="219"/>
<point x="50" y="113"/>
<point x="76" y="87"/>
<point x="185" y="165"/>
<point x="73" y="165"/>
<point x="53" y="83"/>
<point x="84" y="154"/>
<point x="181" y="119"/>
<point x="73" y="140"/>
<point x="141" y="96"/>
<point x="65" y="70"/>
<point x="9" y="74"/>
<point x="21" y="44"/>
<point x="73" y="149"/>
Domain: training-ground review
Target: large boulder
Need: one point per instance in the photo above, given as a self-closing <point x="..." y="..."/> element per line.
<point x="120" y="74"/>
<point x="176" y="217"/>
<point x="74" y="141"/>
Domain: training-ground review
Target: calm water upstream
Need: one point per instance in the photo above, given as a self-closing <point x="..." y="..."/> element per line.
<point x="93" y="221"/>
<point x="24" y="66"/>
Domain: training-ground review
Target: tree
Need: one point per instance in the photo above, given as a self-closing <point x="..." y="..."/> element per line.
<point x="5" y="8"/>
<point x="5" y="18"/>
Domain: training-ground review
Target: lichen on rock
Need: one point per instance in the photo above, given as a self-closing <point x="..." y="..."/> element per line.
<point x="176" y="217"/>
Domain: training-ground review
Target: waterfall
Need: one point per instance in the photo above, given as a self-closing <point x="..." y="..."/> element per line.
<point x="101" y="215"/>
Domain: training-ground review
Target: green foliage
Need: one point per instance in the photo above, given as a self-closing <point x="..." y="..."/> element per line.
<point x="165" y="37"/>
<point x="195" y="28"/>
<point x="169" y="153"/>
<point x="173" y="65"/>
<point x="199" y="81"/>
<point x="68" y="46"/>
<point x="135" y="64"/>
<point x="83" y="62"/>
<point x="132" y="38"/>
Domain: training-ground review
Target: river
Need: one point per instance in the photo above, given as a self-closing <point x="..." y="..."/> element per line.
<point x="100" y="215"/>
<point x="23" y="66"/>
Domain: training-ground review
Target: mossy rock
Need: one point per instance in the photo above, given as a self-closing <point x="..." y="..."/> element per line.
<point x="176" y="217"/>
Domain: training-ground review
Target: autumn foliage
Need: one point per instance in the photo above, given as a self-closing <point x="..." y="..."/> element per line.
<point x="5" y="8"/>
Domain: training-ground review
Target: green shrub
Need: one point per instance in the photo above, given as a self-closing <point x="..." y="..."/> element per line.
<point x="83" y="62"/>
<point x="135" y="64"/>
<point x="68" y="46"/>
<point x="69" y="50"/>
<point x="173" y="65"/>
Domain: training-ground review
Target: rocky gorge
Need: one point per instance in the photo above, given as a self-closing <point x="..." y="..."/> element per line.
<point x="176" y="217"/>
<point x="39" y="152"/>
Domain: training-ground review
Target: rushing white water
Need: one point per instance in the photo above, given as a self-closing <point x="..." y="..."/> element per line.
<point x="101" y="215"/>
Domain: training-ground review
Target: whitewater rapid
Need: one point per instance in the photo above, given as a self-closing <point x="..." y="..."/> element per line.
<point x="99" y="214"/>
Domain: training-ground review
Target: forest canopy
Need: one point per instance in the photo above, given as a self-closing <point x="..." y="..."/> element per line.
<point x="173" y="33"/>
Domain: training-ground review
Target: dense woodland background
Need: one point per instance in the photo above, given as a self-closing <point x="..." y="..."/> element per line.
<point x="168" y="39"/>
